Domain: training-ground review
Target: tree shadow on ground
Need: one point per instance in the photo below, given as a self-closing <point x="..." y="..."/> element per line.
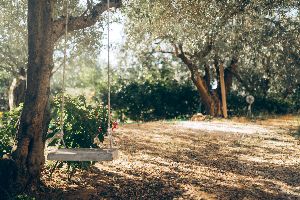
<point x="210" y="154"/>
<point x="102" y="184"/>
<point x="169" y="169"/>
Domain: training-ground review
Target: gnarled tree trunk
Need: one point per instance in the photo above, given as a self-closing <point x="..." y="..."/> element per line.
<point x="209" y="97"/>
<point x="29" y="154"/>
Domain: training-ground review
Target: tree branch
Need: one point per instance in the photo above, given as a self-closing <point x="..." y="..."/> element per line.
<point x="180" y="54"/>
<point x="197" y="79"/>
<point x="82" y="21"/>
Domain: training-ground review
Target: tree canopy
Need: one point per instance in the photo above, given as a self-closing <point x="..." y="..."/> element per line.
<point x="262" y="36"/>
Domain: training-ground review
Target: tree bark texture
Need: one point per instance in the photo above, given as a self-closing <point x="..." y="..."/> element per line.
<point x="29" y="154"/>
<point x="223" y="91"/>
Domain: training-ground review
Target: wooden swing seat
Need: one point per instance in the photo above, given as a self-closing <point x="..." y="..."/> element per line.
<point x="84" y="154"/>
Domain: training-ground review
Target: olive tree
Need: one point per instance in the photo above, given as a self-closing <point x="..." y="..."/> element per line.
<point x="204" y="35"/>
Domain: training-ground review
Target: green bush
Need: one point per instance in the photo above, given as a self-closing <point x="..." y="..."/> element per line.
<point x="237" y="105"/>
<point x="8" y="129"/>
<point x="82" y="123"/>
<point x="153" y="101"/>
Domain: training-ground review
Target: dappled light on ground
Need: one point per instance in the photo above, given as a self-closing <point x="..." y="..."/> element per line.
<point x="191" y="160"/>
<point x="224" y="127"/>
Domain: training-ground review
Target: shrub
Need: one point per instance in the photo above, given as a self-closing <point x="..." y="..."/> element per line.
<point x="82" y="123"/>
<point x="155" y="100"/>
<point x="8" y="129"/>
<point x="271" y="105"/>
<point x="237" y="105"/>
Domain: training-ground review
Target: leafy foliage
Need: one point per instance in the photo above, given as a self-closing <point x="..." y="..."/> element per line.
<point x="4" y="85"/>
<point x="262" y="105"/>
<point x="83" y="122"/>
<point x="155" y="100"/>
<point x="13" y="45"/>
<point x="8" y="129"/>
<point x="263" y="37"/>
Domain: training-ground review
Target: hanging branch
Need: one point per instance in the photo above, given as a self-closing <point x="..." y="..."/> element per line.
<point x="82" y="21"/>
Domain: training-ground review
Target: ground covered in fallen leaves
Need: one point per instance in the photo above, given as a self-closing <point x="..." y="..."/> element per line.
<point x="217" y="159"/>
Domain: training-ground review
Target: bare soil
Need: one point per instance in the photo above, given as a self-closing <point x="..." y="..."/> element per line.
<point x="218" y="159"/>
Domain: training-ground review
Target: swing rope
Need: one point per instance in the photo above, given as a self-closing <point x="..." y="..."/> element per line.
<point x="62" y="111"/>
<point x="62" y="121"/>
<point x="108" y="77"/>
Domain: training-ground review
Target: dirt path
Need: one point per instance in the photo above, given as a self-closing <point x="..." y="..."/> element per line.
<point x="193" y="160"/>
